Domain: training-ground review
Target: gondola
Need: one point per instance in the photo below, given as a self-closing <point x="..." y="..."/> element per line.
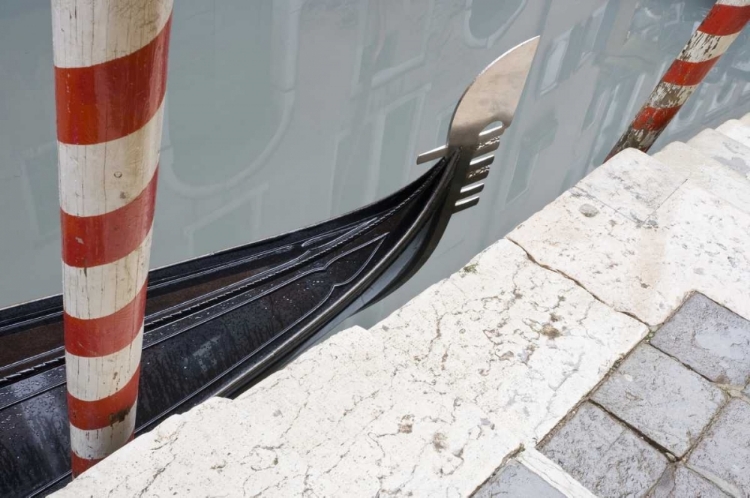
<point x="217" y="324"/>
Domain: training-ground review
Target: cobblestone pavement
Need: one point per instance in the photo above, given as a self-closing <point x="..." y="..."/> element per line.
<point x="515" y="480"/>
<point x="672" y="420"/>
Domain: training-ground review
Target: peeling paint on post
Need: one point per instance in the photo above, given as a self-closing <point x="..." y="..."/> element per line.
<point x="110" y="79"/>
<point x="713" y="37"/>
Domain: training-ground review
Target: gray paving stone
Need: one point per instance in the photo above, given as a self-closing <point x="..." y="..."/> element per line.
<point x="723" y="455"/>
<point x="661" y="398"/>
<point x="515" y="480"/>
<point x="681" y="482"/>
<point x="710" y="338"/>
<point x="604" y="455"/>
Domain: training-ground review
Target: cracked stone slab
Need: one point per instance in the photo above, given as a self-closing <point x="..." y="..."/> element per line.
<point x="356" y="428"/>
<point x="727" y="151"/>
<point x="661" y="398"/>
<point x="692" y="241"/>
<point x="514" y="480"/>
<point x="710" y="339"/>
<point x="707" y="173"/>
<point x="723" y="455"/>
<point x="634" y="185"/>
<point x="430" y="401"/>
<point x="523" y="343"/>
<point x="680" y="482"/>
<point x="604" y="455"/>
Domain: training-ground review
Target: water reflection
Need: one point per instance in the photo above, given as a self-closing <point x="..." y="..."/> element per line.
<point x="286" y="112"/>
<point x="486" y="20"/>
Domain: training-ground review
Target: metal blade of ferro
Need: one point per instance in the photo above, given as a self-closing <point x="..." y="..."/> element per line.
<point x="491" y="98"/>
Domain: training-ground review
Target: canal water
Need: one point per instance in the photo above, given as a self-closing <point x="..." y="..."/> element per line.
<point x="282" y="113"/>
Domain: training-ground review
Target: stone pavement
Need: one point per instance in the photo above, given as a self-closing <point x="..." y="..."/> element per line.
<point x="658" y="425"/>
<point x="515" y="479"/>
<point x="601" y="349"/>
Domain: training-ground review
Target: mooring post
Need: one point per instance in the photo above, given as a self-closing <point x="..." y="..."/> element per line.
<point x="110" y="61"/>
<point x="708" y="43"/>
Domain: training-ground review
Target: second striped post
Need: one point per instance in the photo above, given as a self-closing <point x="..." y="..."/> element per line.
<point x="708" y="43"/>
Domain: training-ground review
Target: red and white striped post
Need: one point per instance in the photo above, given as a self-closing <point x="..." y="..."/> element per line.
<point x="715" y="34"/>
<point x="110" y="79"/>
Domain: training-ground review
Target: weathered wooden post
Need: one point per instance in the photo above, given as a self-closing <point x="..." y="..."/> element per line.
<point x="110" y="77"/>
<point x="713" y="37"/>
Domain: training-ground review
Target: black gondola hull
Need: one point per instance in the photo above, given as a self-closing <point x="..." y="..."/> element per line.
<point x="216" y="325"/>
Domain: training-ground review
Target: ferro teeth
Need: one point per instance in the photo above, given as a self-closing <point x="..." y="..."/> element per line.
<point x="436" y="153"/>
<point x="470" y="190"/>
<point x="466" y="203"/>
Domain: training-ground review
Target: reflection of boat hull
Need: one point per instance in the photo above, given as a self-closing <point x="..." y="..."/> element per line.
<point x="216" y="325"/>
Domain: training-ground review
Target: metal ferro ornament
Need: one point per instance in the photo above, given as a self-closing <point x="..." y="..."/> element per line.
<point x="216" y="325"/>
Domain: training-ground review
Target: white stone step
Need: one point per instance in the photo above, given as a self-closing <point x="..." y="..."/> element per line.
<point x="707" y="173"/>
<point x="633" y="183"/>
<point x="727" y="151"/>
<point x="693" y="241"/>
<point x="736" y="130"/>
<point x="746" y="119"/>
